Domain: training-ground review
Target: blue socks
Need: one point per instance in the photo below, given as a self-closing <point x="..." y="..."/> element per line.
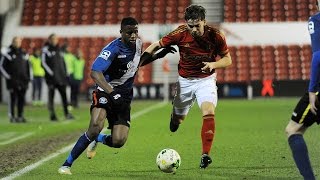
<point x="78" y="148"/>
<point x="300" y="155"/>
<point x="105" y="139"/>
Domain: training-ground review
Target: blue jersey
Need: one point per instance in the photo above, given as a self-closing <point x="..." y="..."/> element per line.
<point x="314" y="31"/>
<point x="118" y="63"/>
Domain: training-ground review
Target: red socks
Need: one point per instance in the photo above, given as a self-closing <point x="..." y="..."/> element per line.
<point x="207" y="133"/>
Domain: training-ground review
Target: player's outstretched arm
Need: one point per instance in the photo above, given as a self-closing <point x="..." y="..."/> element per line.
<point x="147" y="58"/>
<point x="222" y="63"/>
<point x="148" y="55"/>
<point x="101" y="81"/>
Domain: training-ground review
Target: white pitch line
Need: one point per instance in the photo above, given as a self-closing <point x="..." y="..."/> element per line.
<point x="7" y="135"/>
<point x="16" y="138"/>
<point x="68" y="148"/>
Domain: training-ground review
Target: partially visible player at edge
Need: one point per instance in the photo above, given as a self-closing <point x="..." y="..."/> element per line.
<point x="199" y="45"/>
<point x="306" y="111"/>
<point x="113" y="72"/>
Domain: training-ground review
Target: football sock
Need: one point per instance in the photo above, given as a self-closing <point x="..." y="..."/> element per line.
<point x="105" y="139"/>
<point x="78" y="148"/>
<point x="300" y="155"/>
<point x="207" y="133"/>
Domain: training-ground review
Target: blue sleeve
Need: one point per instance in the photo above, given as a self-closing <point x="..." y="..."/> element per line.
<point x="105" y="58"/>
<point x="315" y="72"/>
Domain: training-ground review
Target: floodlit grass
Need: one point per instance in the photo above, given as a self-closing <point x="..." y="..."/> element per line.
<point x="250" y="143"/>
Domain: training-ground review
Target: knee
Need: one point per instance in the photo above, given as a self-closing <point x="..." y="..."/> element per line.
<point x="93" y="132"/>
<point x="118" y="143"/>
<point x="289" y="130"/>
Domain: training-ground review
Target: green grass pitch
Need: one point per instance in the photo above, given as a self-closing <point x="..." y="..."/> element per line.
<point x="250" y="143"/>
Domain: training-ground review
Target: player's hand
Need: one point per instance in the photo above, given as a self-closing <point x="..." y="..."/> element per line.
<point x="116" y="99"/>
<point x="208" y="67"/>
<point x="164" y="51"/>
<point x="313" y="102"/>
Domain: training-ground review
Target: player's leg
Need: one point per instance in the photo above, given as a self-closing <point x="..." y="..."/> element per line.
<point x="301" y="119"/>
<point x="206" y="95"/>
<point x="119" y="123"/>
<point x="299" y="149"/>
<point x="182" y="102"/>
<point x="96" y="124"/>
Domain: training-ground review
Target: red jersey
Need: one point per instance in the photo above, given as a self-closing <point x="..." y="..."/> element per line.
<point x="194" y="51"/>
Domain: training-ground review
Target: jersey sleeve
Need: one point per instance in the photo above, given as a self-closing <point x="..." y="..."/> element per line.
<point x="104" y="59"/>
<point x="313" y="26"/>
<point x="172" y="38"/>
<point x="222" y="47"/>
<point x="315" y="72"/>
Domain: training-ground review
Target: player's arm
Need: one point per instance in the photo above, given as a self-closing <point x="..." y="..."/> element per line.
<point x="314" y="81"/>
<point x="100" y="65"/>
<point x="222" y="51"/>
<point x="152" y="53"/>
<point x="148" y="55"/>
<point x="313" y="26"/>
<point x="99" y="78"/>
<point x="222" y="63"/>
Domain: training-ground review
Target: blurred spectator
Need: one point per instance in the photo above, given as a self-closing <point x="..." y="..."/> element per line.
<point x="76" y="77"/>
<point x="14" y="65"/>
<point x="55" y="75"/>
<point x="38" y="75"/>
<point x="69" y="58"/>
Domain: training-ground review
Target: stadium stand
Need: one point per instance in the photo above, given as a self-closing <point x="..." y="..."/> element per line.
<point x="251" y="63"/>
<point x="267" y="10"/>
<point x="77" y="12"/>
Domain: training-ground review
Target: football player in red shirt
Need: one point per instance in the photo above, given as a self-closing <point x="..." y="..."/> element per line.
<point x="199" y="46"/>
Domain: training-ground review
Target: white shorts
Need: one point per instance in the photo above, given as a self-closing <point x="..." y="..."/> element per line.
<point x="190" y="89"/>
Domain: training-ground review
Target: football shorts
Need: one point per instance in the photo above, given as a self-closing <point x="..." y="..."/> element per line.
<point x="115" y="117"/>
<point x="302" y="113"/>
<point x="190" y="89"/>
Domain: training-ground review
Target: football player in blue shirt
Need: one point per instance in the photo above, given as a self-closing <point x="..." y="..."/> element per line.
<point x="113" y="72"/>
<point x="306" y="111"/>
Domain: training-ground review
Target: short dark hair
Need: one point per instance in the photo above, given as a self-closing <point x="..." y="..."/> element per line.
<point x="128" y="21"/>
<point x="195" y="12"/>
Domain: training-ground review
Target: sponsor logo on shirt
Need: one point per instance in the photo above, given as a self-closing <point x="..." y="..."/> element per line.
<point x="105" y="54"/>
<point x="122" y="56"/>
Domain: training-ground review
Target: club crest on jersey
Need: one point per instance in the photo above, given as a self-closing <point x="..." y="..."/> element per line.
<point x="103" y="100"/>
<point x="105" y="54"/>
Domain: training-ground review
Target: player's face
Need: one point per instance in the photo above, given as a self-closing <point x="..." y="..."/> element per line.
<point x="129" y="34"/>
<point x="196" y="27"/>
